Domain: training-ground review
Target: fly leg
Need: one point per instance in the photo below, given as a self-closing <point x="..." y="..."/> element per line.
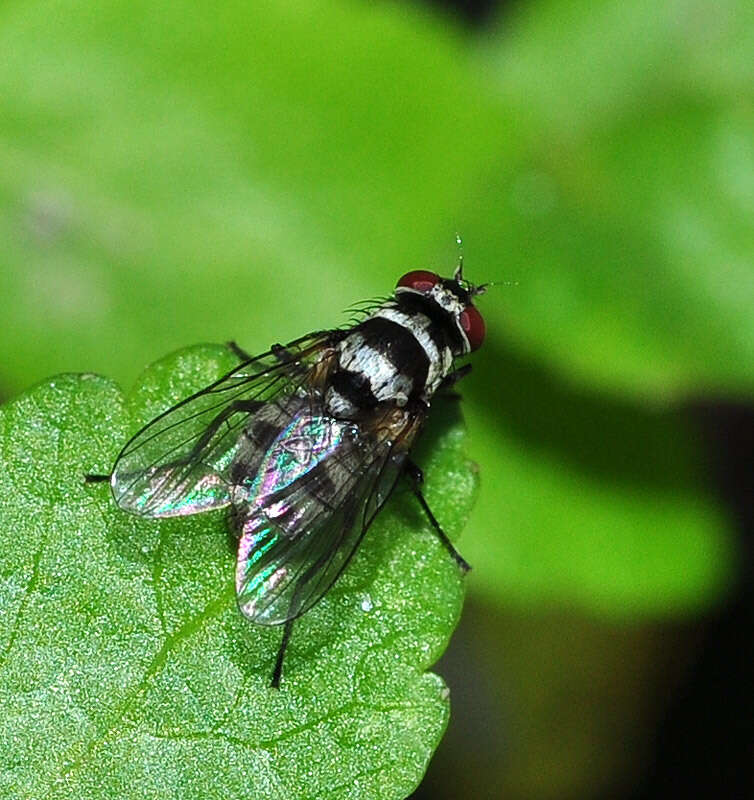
<point x="416" y="478"/>
<point x="285" y="356"/>
<point x="277" y="673"/>
<point x="282" y="354"/>
<point x="293" y="612"/>
<point x="93" y="478"/>
<point x="237" y="407"/>
<point x="451" y="380"/>
<point x="237" y="350"/>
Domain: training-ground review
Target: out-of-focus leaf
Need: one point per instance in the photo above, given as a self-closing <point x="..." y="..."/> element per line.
<point x="628" y="221"/>
<point x="599" y="506"/>
<point x="125" y="665"/>
<point x="628" y="228"/>
<point x="170" y="175"/>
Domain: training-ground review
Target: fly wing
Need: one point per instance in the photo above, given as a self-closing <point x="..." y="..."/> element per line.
<point x="307" y="513"/>
<point x="186" y="460"/>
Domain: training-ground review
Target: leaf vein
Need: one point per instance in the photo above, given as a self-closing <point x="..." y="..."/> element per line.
<point x="28" y="591"/>
<point x="192" y="626"/>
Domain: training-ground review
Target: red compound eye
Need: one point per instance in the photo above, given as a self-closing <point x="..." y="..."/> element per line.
<point x="420" y="280"/>
<point x="473" y="326"/>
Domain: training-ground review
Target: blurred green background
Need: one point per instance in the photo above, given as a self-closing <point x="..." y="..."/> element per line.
<point x="176" y="172"/>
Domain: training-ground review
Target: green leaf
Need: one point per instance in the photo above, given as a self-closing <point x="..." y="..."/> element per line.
<point x="627" y="218"/>
<point x="125" y="663"/>
<point x="605" y="510"/>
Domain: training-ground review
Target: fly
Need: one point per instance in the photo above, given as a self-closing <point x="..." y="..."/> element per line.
<point x="305" y="443"/>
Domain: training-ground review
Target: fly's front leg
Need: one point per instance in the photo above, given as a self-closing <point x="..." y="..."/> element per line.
<point x="416" y="478"/>
<point x="450" y="380"/>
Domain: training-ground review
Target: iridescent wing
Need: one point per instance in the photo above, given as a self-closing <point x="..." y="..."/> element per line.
<point x="311" y="502"/>
<point x="187" y="460"/>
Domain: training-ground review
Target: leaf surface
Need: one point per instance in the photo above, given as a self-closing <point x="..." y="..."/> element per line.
<point x="125" y="667"/>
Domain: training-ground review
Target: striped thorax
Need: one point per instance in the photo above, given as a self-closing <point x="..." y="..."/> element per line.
<point x="402" y="352"/>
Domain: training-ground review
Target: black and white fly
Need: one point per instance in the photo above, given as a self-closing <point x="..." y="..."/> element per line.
<point x="306" y="442"/>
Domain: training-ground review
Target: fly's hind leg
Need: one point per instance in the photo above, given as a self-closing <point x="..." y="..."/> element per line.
<point x="416" y="478"/>
<point x="277" y="672"/>
<point x="282" y="354"/>
<point x="238" y="406"/>
<point x="293" y="612"/>
<point x="94" y="478"/>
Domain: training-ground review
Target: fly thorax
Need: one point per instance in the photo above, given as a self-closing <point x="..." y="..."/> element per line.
<point x="432" y="358"/>
<point x="369" y="371"/>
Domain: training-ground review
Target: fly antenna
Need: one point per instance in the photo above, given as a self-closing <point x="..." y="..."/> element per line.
<point x="482" y="288"/>
<point x="458" y="274"/>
